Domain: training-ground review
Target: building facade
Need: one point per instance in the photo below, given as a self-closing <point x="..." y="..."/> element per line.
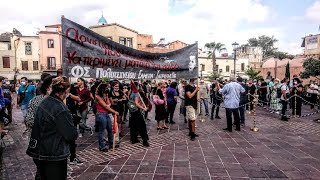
<point x="311" y="45"/>
<point x="117" y="33"/>
<point x="225" y="66"/>
<point x="50" y="48"/>
<point x="253" y="54"/>
<point x="7" y="58"/>
<point x="26" y="50"/>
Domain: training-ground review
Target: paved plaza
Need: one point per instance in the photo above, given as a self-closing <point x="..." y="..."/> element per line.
<point x="279" y="150"/>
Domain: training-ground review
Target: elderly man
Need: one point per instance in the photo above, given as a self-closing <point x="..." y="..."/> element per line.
<point x="231" y="93"/>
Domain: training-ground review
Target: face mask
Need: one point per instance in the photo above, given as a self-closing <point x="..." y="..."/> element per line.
<point x="116" y="89"/>
<point x="23" y="83"/>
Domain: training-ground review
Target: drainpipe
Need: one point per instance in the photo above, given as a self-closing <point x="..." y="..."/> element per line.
<point x="276" y="69"/>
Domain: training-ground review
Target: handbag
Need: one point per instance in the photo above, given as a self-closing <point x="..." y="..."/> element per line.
<point x="157" y="100"/>
<point x="132" y="106"/>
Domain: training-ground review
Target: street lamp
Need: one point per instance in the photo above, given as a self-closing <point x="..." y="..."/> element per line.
<point x="202" y="69"/>
<point x="235" y="47"/>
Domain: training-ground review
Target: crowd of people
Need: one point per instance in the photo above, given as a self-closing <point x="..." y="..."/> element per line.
<point x="55" y="111"/>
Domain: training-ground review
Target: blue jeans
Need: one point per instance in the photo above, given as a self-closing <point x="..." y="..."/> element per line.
<point x="242" y="111"/>
<point x="104" y="122"/>
<point x="24" y="109"/>
<point x="205" y="102"/>
<point x="83" y="123"/>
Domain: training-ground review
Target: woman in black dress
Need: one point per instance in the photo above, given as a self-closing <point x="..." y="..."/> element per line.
<point x="117" y="100"/>
<point x="161" y="112"/>
<point x="296" y="101"/>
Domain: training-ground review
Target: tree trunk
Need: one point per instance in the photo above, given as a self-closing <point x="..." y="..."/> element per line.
<point x="214" y="63"/>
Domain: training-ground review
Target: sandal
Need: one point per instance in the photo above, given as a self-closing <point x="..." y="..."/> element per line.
<point x="165" y="127"/>
<point x="160" y="128"/>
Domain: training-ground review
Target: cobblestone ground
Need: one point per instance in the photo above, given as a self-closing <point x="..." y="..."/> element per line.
<point x="279" y="150"/>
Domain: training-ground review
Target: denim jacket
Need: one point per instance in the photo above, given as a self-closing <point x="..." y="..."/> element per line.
<point x="52" y="131"/>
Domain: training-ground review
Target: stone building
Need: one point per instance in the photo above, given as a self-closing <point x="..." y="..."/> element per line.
<point x="311" y="44"/>
<point x="50" y="48"/>
<point x="7" y="61"/>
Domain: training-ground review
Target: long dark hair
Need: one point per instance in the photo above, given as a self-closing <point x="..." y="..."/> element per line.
<point x="47" y="81"/>
<point x="102" y="89"/>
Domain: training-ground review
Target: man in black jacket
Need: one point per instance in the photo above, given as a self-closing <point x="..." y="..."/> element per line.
<point x="216" y="98"/>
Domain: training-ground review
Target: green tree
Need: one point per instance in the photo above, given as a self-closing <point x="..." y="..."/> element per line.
<point x="213" y="47"/>
<point x="214" y="76"/>
<point x="267" y="43"/>
<point x="311" y="68"/>
<point x="253" y="74"/>
<point x="287" y="75"/>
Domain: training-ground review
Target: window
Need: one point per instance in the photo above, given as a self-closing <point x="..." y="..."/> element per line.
<point x="28" y="48"/>
<point x="242" y="67"/>
<point x="35" y="66"/>
<point x="51" y="63"/>
<point x="6" y="62"/>
<point x="9" y="46"/>
<point x="24" y="65"/>
<point x="50" y="43"/>
<point x="220" y="70"/>
<point x="227" y="68"/>
<point x="126" y="41"/>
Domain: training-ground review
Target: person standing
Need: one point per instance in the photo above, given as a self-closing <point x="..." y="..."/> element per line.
<point x="204" y="95"/>
<point x="191" y="103"/>
<point x="243" y="101"/>
<point x="172" y="100"/>
<point x="231" y="93"/>
<point x="275" y="96"/>
<point x="7" y="93"/>
<point x="313" y="90"/>
<point x="25" y="93"/>
<point x="181" y="90"/>
<point x="251" y="93"/>
<point x="263" y="91"/>
<point x="161" y="112"/>
<point x="52" y="132"/>
<point x="297" y="88"/>
<point x="284" y="98"/>
<point x="216" y="98"/>
<point x="85" y="97"/>
<point x="136" y="120"/>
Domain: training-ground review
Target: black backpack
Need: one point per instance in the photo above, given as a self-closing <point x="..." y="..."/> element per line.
<point x="279" y="92"/>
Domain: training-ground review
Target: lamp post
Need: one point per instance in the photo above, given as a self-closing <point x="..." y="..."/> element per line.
<point x="202" y="65"/>
<point x="235" y="47"/>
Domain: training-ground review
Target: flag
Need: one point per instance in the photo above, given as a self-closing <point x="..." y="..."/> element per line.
<point x="133" y="87"/>
<point x="114" y="127"/>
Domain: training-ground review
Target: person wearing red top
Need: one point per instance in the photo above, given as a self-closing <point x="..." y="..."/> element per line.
<point x="84" y="94"/>
<point x="102" y="118"/>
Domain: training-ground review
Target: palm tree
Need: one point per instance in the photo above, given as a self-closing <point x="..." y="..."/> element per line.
<point x="213" y="47"/>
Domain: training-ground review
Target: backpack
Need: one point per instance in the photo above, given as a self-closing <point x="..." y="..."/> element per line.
<point x="279" y="92"/>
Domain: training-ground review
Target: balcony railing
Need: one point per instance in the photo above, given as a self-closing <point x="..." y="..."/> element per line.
<point x="50" y="68"/>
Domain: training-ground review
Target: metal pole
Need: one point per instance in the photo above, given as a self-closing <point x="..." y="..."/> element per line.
<point x="234" y="65"/>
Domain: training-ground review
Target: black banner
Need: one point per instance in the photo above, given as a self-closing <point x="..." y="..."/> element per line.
<point x="90" y="55"/>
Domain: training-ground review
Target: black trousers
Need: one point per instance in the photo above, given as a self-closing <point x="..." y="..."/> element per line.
<point x="52" y="170"/>
<point x="215" y="105"/>
<point x="250" y="105"/>
<point x="171" y="109"/>
<point x="138" y="125"/>
<point x="73" y="146"/>
<point x="9" y="109"/>
<point x="313" y="100"/>
<point x="235" y="113"/>
<point x="284" y="109"/>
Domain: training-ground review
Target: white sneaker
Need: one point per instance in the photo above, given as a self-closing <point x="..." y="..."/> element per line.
<point x="76" y="161"/>
<point x="80" y="135"/>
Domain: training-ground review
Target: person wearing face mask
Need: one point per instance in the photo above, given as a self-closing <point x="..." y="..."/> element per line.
<point x="25" y="93"/>
<point x="52" y="132"/>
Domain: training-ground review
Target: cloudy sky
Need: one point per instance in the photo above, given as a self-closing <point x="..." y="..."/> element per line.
<point x="204" y="21"/>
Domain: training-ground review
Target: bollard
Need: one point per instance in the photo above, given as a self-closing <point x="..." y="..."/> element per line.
<point x="295" y="103"/>
<point x="249" y="110"/>
<point x="254" y="128"/>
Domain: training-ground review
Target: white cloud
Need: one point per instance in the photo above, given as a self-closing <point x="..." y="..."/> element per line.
<point x="203" y="20"/>
<point x="313" y="13"/>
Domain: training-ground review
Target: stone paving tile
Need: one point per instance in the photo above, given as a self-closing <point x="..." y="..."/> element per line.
<point x="280" y="150"/>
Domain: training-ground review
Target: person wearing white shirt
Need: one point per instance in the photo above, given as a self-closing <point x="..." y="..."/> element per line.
<point x="284" y="98"/>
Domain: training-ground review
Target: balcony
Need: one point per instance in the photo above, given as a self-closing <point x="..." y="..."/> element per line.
<point x="45" y="67"/>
